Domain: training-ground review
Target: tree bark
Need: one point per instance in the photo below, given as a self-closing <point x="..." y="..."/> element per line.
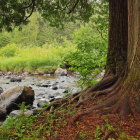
<point x="118" y="37"/>
<point x="124" y="58"/>
<point x="122" y="94"/>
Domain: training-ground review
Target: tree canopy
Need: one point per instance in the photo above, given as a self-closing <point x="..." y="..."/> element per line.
<point x="13" y="13"/>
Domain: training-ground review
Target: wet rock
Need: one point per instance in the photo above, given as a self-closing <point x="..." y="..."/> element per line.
<point x="36" y="73"/>
<point x="15" y="79"/>
<point x="26" y="73"/>
<point x="54" y="87"/>
<point x="19" y="113"/>
<point x="61" y="72"/>
<point x="1" y="90"/>
<point x="10" y="99"/>
<point x="7" y="77"/>
<point x="51" y="100"/>
<point x="66" y="91"/>
<point x="9" y="73"/>
<point x="44" y="85"/>
<point x="51" y="96"/>
<point x="47" y="75"/>
<point x="41" y="103"/>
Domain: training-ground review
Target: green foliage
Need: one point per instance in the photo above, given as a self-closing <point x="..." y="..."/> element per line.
<point x="9" y="50"/>
<point x="107" y="127"/>
<point x="23" y="107"/>
<point x="35" y="127"/>
<point x="56" y="12"/>
<point x="20" y="125"/>
<point x="91" y="43"/>
<point x="33" y="59"/>
<point x="38" y="33"/>
<point x="90" y="57"/>
<point x="97" y="133"/>
<point x="4" y="40"/>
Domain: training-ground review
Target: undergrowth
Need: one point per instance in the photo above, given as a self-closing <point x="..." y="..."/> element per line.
<point x="37" y="127"/>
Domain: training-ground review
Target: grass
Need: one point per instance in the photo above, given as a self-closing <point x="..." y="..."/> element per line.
<point x="34" y="59"/>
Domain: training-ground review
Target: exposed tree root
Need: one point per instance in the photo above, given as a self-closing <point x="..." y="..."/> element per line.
<point x="118" y="100"/>
<point x="120" y="103"/>
<point x="104" y="84"/>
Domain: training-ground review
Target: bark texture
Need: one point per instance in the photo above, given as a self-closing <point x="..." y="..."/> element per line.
<point x="118" y="37"/>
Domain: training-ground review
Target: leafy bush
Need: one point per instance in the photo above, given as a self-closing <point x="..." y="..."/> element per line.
<point x="90" y="57"/>
<point x="9" y="50"/>
<point x="4" y="40"/>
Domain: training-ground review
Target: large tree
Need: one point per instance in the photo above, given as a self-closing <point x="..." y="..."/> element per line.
<point x="121" y="83"/>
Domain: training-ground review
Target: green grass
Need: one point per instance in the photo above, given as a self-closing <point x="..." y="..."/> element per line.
<point x="33" y="59"/>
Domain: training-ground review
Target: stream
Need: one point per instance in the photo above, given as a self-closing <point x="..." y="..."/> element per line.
<point x="46" y="87"/>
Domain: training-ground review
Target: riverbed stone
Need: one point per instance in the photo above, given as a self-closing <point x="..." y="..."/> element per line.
<point x="1" y="90"/>
<point x="20" y="113"/>
<point x="7" y="77"/>
<point x="47" y="75"/>
<point x="26" y="73"/>
<point x="9" y="73"/>
<point x="10" y="99"/>
<point x="54" y="87"/>
<point x="18" y="79"/>
<point x="41" y="103"/>
<point x="60" y="72"/>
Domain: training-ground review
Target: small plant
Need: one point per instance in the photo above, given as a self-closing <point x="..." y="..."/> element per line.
<point x="23" y="107"/>
<point x="66" y="95"/>
<point x="46" y="105"/>
<point x="100" y="101"/>
<point x="81" y="135"/>
<point x="124" y="136"/>
<point x="107" y="126"/>
<point x="98" y="133"/>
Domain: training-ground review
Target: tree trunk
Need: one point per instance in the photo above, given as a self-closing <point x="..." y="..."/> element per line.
<point x="118" y="37"/>
<point x="124" y="56"/>
<point x="123" y="63"/>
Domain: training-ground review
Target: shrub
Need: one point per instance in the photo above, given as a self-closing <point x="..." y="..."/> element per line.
<point x="9" y="50"/>
<point x="90" y="57"/>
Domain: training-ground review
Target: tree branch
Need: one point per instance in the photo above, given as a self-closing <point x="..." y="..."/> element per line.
<point x="74" y="6"/>
<point x="33" y="7"/>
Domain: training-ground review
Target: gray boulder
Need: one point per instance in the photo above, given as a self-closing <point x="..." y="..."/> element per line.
<point x="10" y="99"/>
<point x="61" y="72"/>
<point x="19" y="113"/>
